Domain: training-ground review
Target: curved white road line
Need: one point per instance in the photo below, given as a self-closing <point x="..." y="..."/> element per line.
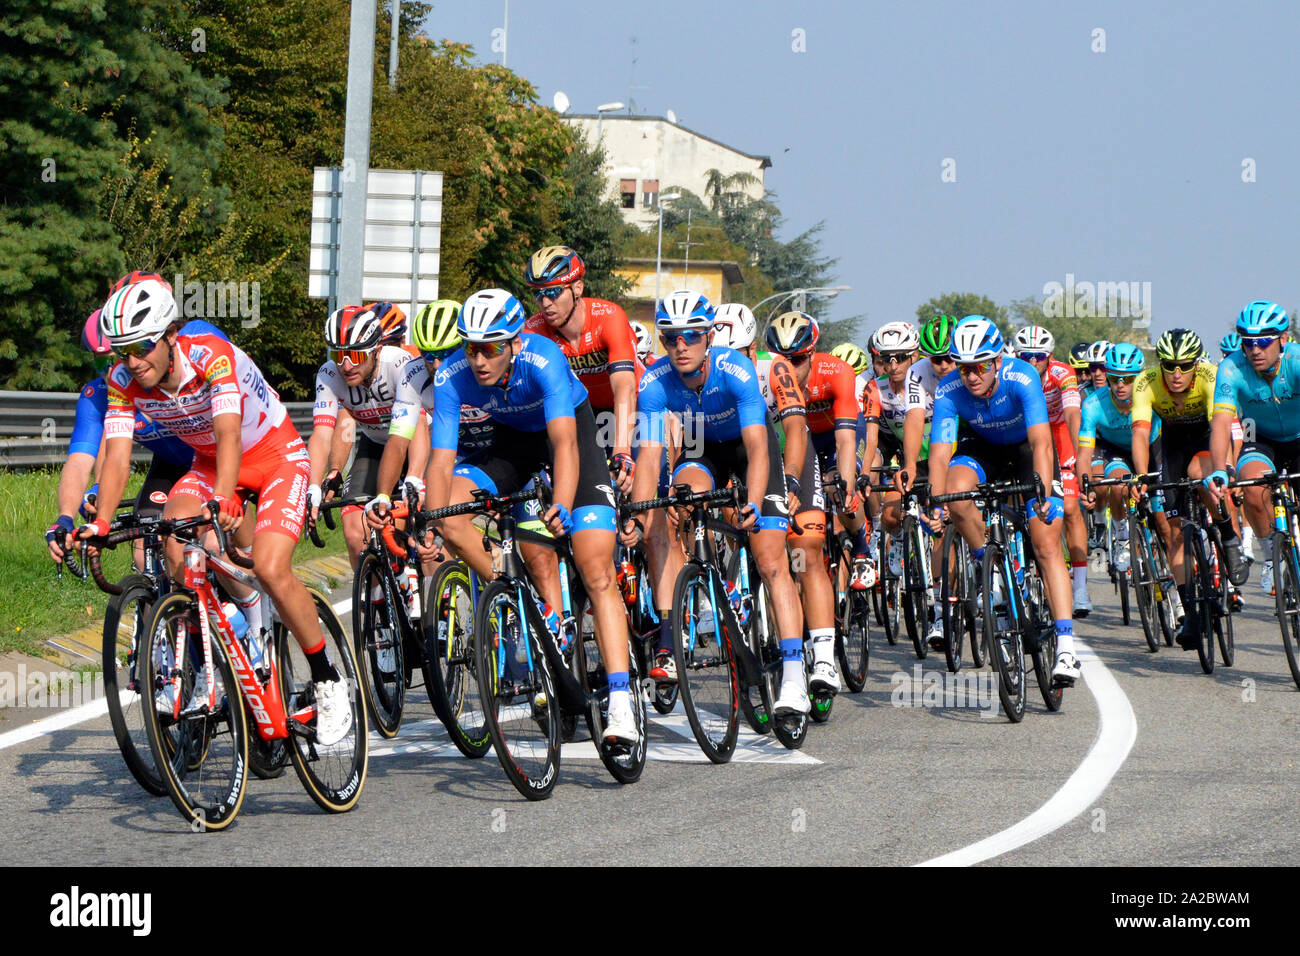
<point x="1116" y="732"/>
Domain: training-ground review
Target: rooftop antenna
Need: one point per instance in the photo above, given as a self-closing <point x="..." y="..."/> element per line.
<point x="631" y="80"/>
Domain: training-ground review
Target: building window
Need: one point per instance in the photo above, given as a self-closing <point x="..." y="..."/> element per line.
<point x="627" y="188"/>
<point x="650" y="193"/>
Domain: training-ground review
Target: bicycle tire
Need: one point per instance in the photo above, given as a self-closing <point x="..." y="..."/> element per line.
<point x="956" y="594"/>
<point x="128" y="718"/>
<point x="202" y="758"/>
<point x="820" y="704"/>
<point x="1122" y="584"/>
<point x="791" y="730"/>
<point x="853" y="641"/>
<point x="332" y="775"/>
<point x="706" y="671"/>
<point x="756" y="703"/>
<point x="1199" y="594"/>
<point x="447" y="623"/>
<point x="1144" y="584"/>
<point x="1044" y="656"/>
<point x="1164" y="576"/>
<point x="915" y="590"/>
<point x="523" y="715"/>
<point x="1286" y="596"/>
<point x="1004" y="643"/>
<point x="887" y="585"/>
<point x="378" y="644"/>
<point x="623" y="763"/>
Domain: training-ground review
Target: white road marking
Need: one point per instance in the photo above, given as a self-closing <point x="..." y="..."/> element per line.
<point x="1116" y="732"/>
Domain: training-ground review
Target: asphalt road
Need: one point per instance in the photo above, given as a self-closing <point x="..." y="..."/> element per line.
<point x="1211" y="769"/>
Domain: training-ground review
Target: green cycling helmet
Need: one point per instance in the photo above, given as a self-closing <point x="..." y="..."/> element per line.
<point x="434" y="329"/>
<point x="854" y="355"/>
<point x="936" y="335"/>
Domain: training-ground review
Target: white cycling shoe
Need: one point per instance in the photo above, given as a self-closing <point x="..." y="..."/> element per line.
<point x="620" y="725"/>
<point x="825" y="677"/>
<point x="793" y="698"/>
<point x="1067" y="668"/>
<point x="333" y="711"/>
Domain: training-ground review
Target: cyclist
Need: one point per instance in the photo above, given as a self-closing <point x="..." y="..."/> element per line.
<point x="813" y="397"/>
<point x="392" y="322"/>
<point x="990" y="424"/>
<point x="1106" y="441"/>
<point x="598" y="342"/>
<point x="541" y="417"/>
<point x="1034" y="344"/>
<point x="210" y="394"/>
<point x="923" y="380"/>
<point x="1096" y="373"/>
<point x="1181" y="393"/>
<point x="645" y="344"/>
<point x="719" y="388"/>
<point x="361" y="375"/>
<point x="1259" y="384"/>
<point x="896" y="343"/>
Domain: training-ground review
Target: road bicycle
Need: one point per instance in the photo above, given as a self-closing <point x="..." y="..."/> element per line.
<point x="917" y="591"/>
<point x="852" y="608"/>
<point x="960" y="602"/>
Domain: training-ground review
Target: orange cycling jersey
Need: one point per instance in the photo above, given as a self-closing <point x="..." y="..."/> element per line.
<point x="607" y="345"/>
<point x="869" y="401"/>
<point x="829" y="396"/>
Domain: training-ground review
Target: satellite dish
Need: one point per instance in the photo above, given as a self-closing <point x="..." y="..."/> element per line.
<point x="561" y="102"/>
<point x="672" y="117"/>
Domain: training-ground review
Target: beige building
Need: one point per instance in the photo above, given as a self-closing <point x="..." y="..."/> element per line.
<point x="643" y="152"/>
<point x="712" y="278"/>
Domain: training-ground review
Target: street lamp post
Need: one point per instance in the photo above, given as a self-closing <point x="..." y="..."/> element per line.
<point x="659" y="246"/>
<point x="600" y="116"/>
<point x="828" y="291"/>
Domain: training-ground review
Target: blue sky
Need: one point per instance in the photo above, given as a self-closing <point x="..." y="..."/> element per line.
<point x="1123" y="165"/>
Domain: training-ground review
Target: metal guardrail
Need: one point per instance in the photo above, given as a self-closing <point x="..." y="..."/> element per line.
<point x="35" y="427"/>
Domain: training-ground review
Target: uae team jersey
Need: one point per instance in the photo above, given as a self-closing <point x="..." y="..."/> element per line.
<point x="371" y="404"/>
<point x="217" y="378"/>
<point x="729" y="401"/>
<point x="415" y="393"/>
<point x="1272" y="404"/>
<point x="1017" y="404"/>
<point x="541" y="387"/>
<point x="607" y="345"/>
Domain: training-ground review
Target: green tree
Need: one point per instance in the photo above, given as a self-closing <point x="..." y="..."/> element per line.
<point x="1069" y="330"/>
<point x="962" y="304"/>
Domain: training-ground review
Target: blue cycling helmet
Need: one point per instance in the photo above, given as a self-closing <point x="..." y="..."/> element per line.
<point x="1124" y="359"/>
<point x="684" y="309"/>
<point x="1263" y="318"/>
<point x="490" y="316"/>
<point x="1230" y="343"/>
<point x="976" y="339"/>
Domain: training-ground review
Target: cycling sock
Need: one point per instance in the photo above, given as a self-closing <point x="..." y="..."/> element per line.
<point x="1079" y="573"/>
<point x="1065" y="637"/>
<point x="1121" y="531"/>
<point x="618" y="682"/>
<point x="665" y="632"/>
<point x="792" y="659"/>
<point x="862" y="542"/>
<point x="936" y="610"/>
<point x="252" y="610"/>
<point x="823" y="639"/>
<point x="1226" y="531"/>
<point x="321" y="668"/>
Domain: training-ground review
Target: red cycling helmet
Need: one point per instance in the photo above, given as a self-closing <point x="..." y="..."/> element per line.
<point x="138" y="276"/>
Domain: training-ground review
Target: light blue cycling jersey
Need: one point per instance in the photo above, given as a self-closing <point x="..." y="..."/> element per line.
<point x="1017" y="404"/>
<point x="729" y="401"/>
<point x="541" y="387"/>
<point x="1103" y="419"/>
<point x="1273" y="406"/>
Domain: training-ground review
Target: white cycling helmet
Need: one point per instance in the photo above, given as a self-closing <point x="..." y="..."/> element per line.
<point x="734" y="326"/>
<point x="896" y="337"/>
<point x="644" y="343"/>
<point x="490" y="316"/>
<point x="1097" y="352"/>
<point x="138" y="312"/>
<point x="1035" y="338"/>
<point x="684" y="309"/>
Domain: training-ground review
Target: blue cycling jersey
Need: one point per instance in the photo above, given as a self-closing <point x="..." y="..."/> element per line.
<point x="88" y="428"/>
<point x="1273" y="406"/>
<point x="1103" y="419"/>
<point x="541" y="387"/>
<point x="1017" y="404"/>
<point x="729" y="401"/>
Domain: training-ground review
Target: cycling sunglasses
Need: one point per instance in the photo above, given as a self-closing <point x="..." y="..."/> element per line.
<point x="895" y="358"/>
<point x="550" y="294"/>
<point x="1179" y="366"/>
<point x="977" y="368"/>
<point x="1120" y="379"/>
<point x="137" y="350"/>
<point x="490" y="349"/>
<point x="355" y="356"/>
<point x="690" y="337"/>
<point x="1035" y="356"/>
<point x="439" y="355"/>
<point x="1260" y="342"/>
<point x="1097" y="367"/>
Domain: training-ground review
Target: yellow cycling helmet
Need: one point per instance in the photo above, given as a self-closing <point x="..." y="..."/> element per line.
<point x="854" y="355"/>
<point x="434" y="329"/>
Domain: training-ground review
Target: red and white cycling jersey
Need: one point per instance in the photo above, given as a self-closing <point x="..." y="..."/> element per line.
<point x="1061" y="389"/>
<point x="372" y="404"/>
<point x="217" y="378"/>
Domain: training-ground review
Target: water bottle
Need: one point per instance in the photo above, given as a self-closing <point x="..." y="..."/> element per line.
<point x="738" y="605"/>
<point x="412" y="581"/>
<point x="252" y="645"/>
<point x="627" y="581"/>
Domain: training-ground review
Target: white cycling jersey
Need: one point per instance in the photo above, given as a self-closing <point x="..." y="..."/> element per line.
<point x="893" y="407"/>
<point x="415" y="396"/>
<point x="371" y="404"/>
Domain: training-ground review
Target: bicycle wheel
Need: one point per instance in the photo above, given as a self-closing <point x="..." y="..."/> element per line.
<point x="1002" y="636"/>
<point x="514" y="683"/>
<point x="887" y="585"/>
<point x="124" y="624"/>
<point x="916" y="586"/>
<point x="1201" y="594"/>
<point x="377" y="638"/>
<point x="1122" y="585"/>
<point x="623" y="763"/>
<point x="1167" y="588"/>
<point x="447" y="623"/>
<point x="957" y="597"/>
<point x="332" y="775"/>
<point x="202" y="756"/>
<point x="853" y="641"/>
<point x="1144" y="583"/>
<point x="1044" y="655"/>
<point x="821" y="703"/>
<point x="756" y="703"/>
<point x="1286" y="595"/>
<point x="706" y="673"/>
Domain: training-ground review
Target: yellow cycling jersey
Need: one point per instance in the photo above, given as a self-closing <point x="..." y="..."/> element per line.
<point x="1151" y="396"/>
